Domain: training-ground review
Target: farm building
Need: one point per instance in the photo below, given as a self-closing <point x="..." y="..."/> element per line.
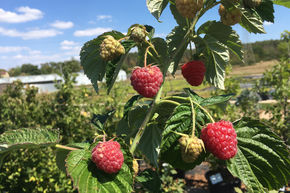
<point x="46" y="82"/>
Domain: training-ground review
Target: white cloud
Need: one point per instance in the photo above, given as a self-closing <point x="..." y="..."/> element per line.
<point x="9" y="49"/>
<point x="104" y="17"/>
<point x="62" y="24"/>
<point x="33" y="34"/>
<point x="267" y="23"/>
<point x="24" y="14"/>
<point x="91" y="31"/>
<point x="73" y="48"/>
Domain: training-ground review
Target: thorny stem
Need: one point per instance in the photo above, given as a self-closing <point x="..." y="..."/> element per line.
<point x="193" y="117"/>
<point x="65" y="147"/>
<point x="146" y="120"/>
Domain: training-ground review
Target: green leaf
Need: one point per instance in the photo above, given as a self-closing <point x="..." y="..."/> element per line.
<point x="251" y="21"/>
<point x="260" y="150"/>
<point x="94" y="66"/>
<point x="224" y="34"/>
<point x="217" y="56"/>
<point x="156" y="7"/>
<point x="240" y="167"/>
<point x="99" y="120"/>
<point x="216" y="100"/>
<point x="87" y="178"/>
<point x="180" y="20"/>
<point x="180" y="121"/>
<point x="61" y="154"/>
<point x="266" y="10"/>
<point x="130" y="124"/>
<point x="113" y="67"/>
<point x="149" y="143"/>
<point x="150" y="30"/>
<point x="150" y="180"/>
<point x="176" y="47"/>
<point x="2" y="157"/>
<point x="28" y="138"/>
<point x="130" y="103"/>
<point x="161" y="47"/>
<point x="285" y="3"/>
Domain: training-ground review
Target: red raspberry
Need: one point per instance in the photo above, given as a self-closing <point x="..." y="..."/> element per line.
<point x="147" y="80"/>
<point x="220" y="139"/>
<point x="193" y="72"/>
<point x="108" y="156"/>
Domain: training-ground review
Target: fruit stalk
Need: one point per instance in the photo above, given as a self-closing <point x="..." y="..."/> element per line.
<point x="193" y="118"/>
<point x="65" y="147"/>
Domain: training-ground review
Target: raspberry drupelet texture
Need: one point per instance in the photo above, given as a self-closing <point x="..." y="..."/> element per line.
<point x="193" y="72"/>
<point x="188" y="8"/>
<point x="147" y="80"/>
<point x="108" y="156"/>
<point x="220" y="139"/>
<point x="191" y="148"/>
<point x="231" y="16"/>
<point x="110" y="48"/>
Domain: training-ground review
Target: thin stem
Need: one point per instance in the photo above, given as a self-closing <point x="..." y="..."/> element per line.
<point x="124" y="38"/>
<point x="204" y="110"/>
<point x="152" y="56"/>
<point x="65" y="147"/>
<point x="169" y="102"/>
<point x="145" y="56"/>
<point x="176" y="97"/>
<point x="193" y="117"/>
<point x="152" y="46"/>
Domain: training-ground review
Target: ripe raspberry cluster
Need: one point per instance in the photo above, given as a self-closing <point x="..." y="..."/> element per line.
<point x="191" y="148"/>
<point x="193" y="72"/>
<point x="111" y="48"/>
<point x="108" y="156"/>
<point x="220" y="139"/>
<point x="147" y="80"/>
<point x="188" y="8"/>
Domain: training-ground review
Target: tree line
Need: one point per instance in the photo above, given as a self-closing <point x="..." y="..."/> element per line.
<point x="253" y="52"/>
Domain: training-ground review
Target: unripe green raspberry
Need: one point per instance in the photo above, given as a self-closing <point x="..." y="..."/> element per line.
<point x="111" y="48"/>
<point x="138" y="33"/>
<point x="231" y="16"/>
<point x="252" y="3"/>
<point x="188" y="8"/>
<point x="191" y="148"/>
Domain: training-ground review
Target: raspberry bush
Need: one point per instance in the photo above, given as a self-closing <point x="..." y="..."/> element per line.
<point x="175" y="128"/>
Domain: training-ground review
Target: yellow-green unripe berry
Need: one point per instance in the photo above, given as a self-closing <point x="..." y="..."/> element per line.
<point x="231" y="16"/>
<point x="191" y="148"/>
<point x="188" y="8"/>
<point x="110" y="48"/>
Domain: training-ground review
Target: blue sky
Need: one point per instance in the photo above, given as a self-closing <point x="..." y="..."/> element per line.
<point x="38" y="31"/>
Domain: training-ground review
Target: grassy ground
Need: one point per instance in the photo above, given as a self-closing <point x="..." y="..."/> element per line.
<point x="255" y="69"/>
